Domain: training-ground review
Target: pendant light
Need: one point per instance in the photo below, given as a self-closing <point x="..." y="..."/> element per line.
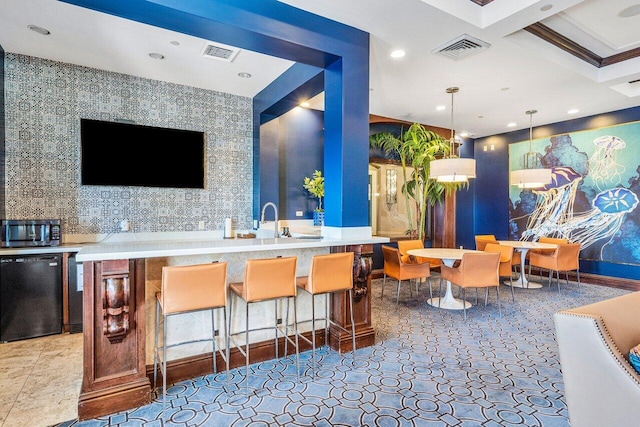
<point x="530" y="176"/>
<point x="452" y="168"/>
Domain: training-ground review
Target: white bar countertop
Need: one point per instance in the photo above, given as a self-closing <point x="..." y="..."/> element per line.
<point x="166" y="248"/>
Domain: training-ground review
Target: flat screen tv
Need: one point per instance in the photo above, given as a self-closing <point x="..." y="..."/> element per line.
<point x="123" y="154"/>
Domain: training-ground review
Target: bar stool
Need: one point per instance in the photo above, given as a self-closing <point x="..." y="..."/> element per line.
<point x="265" y="280"/>
<point x="327" y="274"/>
<point x="187" y="289"/>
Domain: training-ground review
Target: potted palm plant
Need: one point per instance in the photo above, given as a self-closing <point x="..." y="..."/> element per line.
<point x="315" y="186"/>
<point x="416" y="148"/>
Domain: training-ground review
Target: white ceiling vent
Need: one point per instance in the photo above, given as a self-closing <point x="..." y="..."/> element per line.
<point x="219" y="51"/>
<point x="461" y="47"/>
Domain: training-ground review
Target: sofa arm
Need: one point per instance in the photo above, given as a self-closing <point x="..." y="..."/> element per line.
<point x="601" y="387"/>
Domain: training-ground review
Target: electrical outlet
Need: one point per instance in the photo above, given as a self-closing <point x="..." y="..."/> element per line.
<point x="201" y="225"/>
<point x="299" y="213"/>
<point x="216" y="333"/>
<point x="279" y="321"/>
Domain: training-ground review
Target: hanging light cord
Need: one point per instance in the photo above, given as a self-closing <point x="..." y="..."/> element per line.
<point x="452" y="146"/>
<point x="530" y="156"/>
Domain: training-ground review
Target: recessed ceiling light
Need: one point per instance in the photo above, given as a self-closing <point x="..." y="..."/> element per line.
<point x="156" y="55"/>
<point x="305" y="104"/>
<point x="397" y="53"/>
<point x="481" y="117"/>
<point x="504" y="89"/>
<point x="546" y="7"/>
<point x="573" y="111"/>
<point x="630" y="11"/>
<point x="39" y="30"/>
<point x="464" y="134"/>
<point x="441" y="107"/>
<point x="175" y="42"/>
<point x="244" y="75"/>
<point x="512" y="125"/>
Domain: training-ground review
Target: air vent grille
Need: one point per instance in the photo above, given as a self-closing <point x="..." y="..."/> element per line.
<point x="461" y="47"/>
<point x="219" y="51"/>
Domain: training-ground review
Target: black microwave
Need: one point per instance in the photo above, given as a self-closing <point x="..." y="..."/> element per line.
<point x="20" y="233"/>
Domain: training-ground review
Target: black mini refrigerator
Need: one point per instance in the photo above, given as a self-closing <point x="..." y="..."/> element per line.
<point x="30" y="296"/>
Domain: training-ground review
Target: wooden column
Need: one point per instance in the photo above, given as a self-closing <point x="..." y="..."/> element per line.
<point x="114" y="377"/>
<point x="365" y="334"/>
<point x="444" y="222"/>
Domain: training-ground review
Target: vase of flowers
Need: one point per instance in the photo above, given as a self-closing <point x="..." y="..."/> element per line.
<point x="315" y="186"/>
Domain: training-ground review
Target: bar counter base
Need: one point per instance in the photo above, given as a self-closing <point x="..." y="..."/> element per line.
<point x="113" y="399"/>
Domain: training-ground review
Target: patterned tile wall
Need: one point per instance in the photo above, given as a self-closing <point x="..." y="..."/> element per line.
<point x="2" y="133"/>
<point x="44" y="103"/>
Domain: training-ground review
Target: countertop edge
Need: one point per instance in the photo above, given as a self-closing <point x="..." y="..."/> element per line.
<point x="166" y="248"/>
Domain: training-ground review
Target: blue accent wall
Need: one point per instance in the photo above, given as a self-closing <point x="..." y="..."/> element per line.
<point x="492" y="185"/>
<point x="277" y="29"/>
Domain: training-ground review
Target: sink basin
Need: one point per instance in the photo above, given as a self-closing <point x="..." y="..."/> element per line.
<point x="308" y="237"/>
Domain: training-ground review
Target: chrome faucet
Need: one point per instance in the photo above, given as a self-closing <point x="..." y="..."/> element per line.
<point x="275" y="211"/>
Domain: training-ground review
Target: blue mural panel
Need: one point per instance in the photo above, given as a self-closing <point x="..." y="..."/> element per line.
<point x="593" y="197"/>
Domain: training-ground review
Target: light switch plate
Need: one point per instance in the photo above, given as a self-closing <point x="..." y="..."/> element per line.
<point x="299" y="213"/>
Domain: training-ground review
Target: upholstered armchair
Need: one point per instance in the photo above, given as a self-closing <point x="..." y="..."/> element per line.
<point x="601" y="387"/>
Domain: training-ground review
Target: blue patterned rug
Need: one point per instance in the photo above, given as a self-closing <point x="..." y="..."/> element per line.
<point x="429" y="367"/>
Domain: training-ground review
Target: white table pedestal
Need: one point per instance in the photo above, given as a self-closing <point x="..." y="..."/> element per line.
<point x="448" y="301"/>
<point x="522" y="281"/>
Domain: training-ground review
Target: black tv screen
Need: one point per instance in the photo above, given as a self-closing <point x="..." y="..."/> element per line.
<point x="115" y="153"/>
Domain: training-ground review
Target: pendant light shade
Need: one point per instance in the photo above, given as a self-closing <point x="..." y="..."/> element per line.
<point x="452" y="169"/>
<point x="530" y="176"/>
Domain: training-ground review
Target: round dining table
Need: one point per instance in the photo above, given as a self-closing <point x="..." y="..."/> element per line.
<point x="523" y="247"/>
<point x="448" y="257"/>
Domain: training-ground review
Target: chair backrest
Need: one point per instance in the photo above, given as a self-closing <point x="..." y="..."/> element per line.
<point x="568" y="256"/>
<point x="193" y="287"/>
<point x="556" y="240"/>
<point x="394" y="267"/>
<point x="480" y="269"/>
<point x="331" y="272"/>
<point x="483" y="239"/>
<point x="269" y="278"/>
<point x="391" y="261"/>
<point x="506" y="255"/>
<point x="407" y="245"/>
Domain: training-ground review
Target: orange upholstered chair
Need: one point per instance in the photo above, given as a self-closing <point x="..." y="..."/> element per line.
<point x="505" y="267"/>
<point x="476" y="270"/>
<point x="564" y="258"/>
<point x="327" y="274"/>
<point x="267" y="279"/>
<point x="394" y="267"/>
<point x="483" y="239"/>
<point x="189" y="288"/>
<point x="406" y="245"/>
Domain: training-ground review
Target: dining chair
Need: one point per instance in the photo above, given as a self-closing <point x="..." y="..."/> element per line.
<point x="476" y="270"/>
<point x="506" y="256"/>
<point x="394" y="267"/>
<point x="406" y="245"/>
<point x="483" y="239"/>
<point x="328" y="273"/>
<point x="266" y="279"/>
<point x="554" y="240"/>
<point x="187" y="289"/>
<point x="564" y="258"/>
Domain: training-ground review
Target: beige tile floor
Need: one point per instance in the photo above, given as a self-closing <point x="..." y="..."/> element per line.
<point x="40" y="380"/>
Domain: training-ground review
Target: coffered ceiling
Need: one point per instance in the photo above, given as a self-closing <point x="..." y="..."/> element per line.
<point x="550" y="55"/>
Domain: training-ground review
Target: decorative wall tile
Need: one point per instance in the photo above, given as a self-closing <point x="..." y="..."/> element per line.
<point x="45" y="101"/>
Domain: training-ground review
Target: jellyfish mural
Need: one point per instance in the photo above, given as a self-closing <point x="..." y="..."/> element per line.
<point x="554" y="206"/>
<point x="605" y="219"/>
<point x="603" y="166"/>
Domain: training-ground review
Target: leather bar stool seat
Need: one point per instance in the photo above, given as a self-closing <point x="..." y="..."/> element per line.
<point x="267" y="279"/>
<point x="328" y="274"/>
<point x="187" y="289"/>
